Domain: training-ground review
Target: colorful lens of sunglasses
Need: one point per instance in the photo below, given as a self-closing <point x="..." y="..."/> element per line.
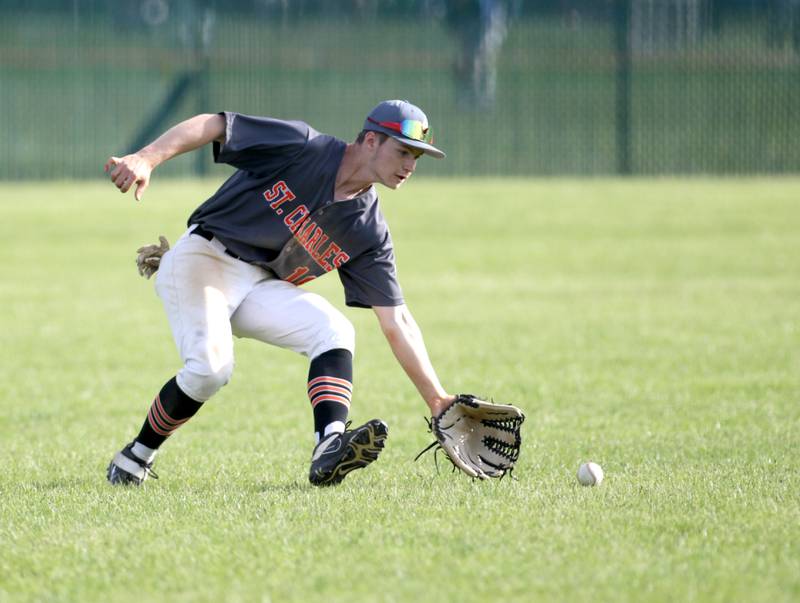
<point x="413" y="129"/>
<point x="410" y="128"/>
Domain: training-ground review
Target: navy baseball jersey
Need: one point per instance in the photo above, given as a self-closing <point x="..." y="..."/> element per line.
<point x="278" y="210"/>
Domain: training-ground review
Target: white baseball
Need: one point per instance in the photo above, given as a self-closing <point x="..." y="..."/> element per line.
<point x="590" y="474"/>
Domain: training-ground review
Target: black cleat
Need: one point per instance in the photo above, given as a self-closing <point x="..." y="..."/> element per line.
<point x="128" y="469"/>
<point x="340" y="453"/>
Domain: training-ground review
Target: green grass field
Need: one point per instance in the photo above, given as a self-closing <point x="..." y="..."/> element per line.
<point x="650" y="325"/>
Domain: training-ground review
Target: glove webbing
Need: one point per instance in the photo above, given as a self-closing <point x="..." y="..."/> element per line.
<point x="504" y="449"/>
<point x="510" y="425"/>
<point x="509" y="451"/>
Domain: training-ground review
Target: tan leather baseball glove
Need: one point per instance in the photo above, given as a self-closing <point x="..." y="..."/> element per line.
<point x="149" y="258"/>
<point x="481" y="438"/>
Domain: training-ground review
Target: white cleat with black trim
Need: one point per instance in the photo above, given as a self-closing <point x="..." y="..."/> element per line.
<point x="128" y="469"/>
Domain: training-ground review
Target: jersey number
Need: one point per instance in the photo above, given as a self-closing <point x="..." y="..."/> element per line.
<point x="298" y="277"/>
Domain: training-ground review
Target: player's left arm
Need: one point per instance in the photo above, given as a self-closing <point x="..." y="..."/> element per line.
<point x="405" y="339"/>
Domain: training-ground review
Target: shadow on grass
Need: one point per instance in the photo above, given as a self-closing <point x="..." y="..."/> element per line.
<point x="276" y="487"/>
<point x="63" y="483"/>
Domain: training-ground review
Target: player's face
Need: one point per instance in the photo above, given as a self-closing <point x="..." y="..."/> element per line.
<point x="394" y="162"/>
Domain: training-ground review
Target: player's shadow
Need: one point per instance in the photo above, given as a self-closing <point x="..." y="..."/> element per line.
<point x="61" y="483"/>
<point x="265" y="487"/>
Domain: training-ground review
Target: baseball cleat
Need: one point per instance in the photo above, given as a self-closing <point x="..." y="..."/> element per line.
<point x="338" y="454"/>
<point x="128" y="469"/>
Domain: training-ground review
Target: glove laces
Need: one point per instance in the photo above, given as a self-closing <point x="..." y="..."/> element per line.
<point x="436" y="446"/>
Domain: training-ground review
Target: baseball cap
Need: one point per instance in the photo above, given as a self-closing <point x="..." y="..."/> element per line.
<point x="404" y="122"/>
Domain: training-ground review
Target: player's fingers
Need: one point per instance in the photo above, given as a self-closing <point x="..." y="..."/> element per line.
<point x="131" y="181"/>
<point x="112" y="162"/>
<point x="118" y="174"/>
<point x="141" y="185"/>
<point x="125" y="184"/>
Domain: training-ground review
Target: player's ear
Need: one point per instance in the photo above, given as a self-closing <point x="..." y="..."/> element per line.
<point x="371" y="140"/>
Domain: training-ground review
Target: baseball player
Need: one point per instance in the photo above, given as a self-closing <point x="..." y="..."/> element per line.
<point x="299" y="204"/>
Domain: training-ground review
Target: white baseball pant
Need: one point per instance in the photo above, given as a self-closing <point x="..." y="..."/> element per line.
<point x="210" y="296"/>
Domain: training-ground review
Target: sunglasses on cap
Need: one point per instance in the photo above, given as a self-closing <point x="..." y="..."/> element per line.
<point x="410" y="128"/>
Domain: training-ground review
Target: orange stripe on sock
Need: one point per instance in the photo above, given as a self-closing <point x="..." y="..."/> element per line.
<point x="165" y="418"/>
<point x="160" y="421"/>
<point x="154" y="424"/>
<point x="326" y="398"/>
<point x="333" y="380"/>
<point x="329" y="388"/>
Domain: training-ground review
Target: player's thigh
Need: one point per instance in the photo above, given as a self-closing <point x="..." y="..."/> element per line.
<point x="200" y="288"/>
<point x="282" y="314"/>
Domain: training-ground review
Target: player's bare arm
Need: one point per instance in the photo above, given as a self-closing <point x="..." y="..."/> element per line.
<point x="405" y="339"/>
<point x="186" y="136"/>
<point x="481" y="438"/>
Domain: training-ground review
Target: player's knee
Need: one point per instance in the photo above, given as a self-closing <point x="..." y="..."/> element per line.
<point x="336" y="332"/>
<point x="200" y="380"/>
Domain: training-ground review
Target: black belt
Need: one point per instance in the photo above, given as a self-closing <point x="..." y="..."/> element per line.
<point x="199" y="230"/>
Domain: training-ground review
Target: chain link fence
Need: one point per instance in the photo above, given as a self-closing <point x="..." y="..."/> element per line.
<point x="511" y="87"/>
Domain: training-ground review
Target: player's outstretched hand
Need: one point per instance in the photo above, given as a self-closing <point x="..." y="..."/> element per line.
<point x="129" y="170"/>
